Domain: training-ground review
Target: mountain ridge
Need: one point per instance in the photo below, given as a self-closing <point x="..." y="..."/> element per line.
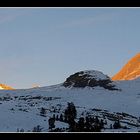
<point x="5" y="87"/>
<point x="130" y="71"/>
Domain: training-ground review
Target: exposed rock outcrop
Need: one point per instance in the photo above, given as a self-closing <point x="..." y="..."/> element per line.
<point x="89" y="79"/>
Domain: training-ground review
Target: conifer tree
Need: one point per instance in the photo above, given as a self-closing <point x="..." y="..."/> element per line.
<point x="51" y="122"/>
<point x="42" y="112"/>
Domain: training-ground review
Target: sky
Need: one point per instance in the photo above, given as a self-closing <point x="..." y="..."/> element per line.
<point x="43" y="46"/>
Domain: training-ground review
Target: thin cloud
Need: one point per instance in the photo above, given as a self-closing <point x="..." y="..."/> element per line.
<point x="8" y="17"/>
<point x="89" y="20"/>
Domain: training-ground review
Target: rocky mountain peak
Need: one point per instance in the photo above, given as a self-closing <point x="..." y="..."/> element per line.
<point x="130" y="71"/>
<point x="89" y="78"/>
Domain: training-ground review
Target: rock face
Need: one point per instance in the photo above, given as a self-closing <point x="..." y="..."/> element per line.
<point x="130" y="71"/>
<point x="89" y="79"/>
<point x="5" y="87"/>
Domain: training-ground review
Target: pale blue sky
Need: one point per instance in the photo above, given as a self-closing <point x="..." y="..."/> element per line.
<point x="45" y="45"/>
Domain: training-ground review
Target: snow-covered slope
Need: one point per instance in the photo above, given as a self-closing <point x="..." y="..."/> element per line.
<point x="130" y="71"/>
<point x="21" y="109"/>
<point x="94" y="74"/>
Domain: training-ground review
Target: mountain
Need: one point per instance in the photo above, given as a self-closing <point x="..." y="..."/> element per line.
<point x="131" y="69"/>
<point x="29" y="110"/>
<point x="89" y="78"/>
<point x="5" y="87"/>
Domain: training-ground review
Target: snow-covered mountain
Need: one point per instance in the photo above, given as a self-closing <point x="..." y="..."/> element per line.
<point x="130" y="71"/>
<point x="89" y="78"/>
<point x="31" y="109"/>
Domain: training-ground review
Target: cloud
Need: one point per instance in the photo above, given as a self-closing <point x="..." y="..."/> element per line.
<point x="10" y="15"/>
<point x="6" y="18"/>
<point x="89" y="20"/>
